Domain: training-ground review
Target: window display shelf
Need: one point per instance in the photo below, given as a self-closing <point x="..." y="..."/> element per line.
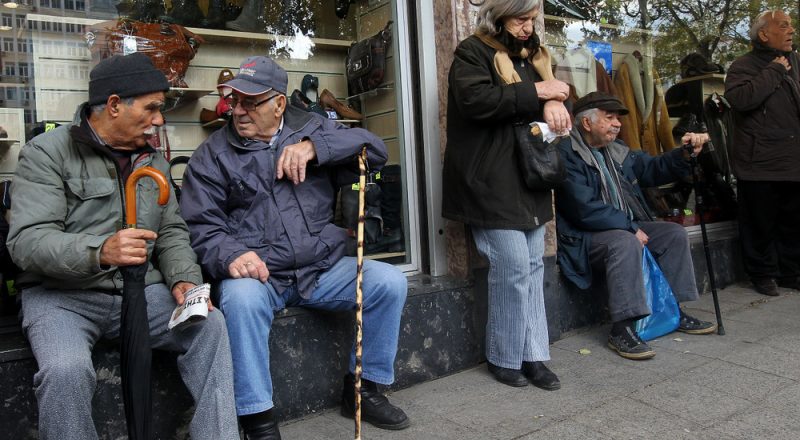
<point x="227" y="36"/>
<point x="215" y="124"/>
<point x="177" y="97"/>
<point x="373" y="92"/>
<point x="6" y="143"/>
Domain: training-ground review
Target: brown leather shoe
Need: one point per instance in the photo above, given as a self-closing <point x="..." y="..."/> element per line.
<point x="327" y="100"/>
<point x="225" y="75"/>
<point x="207" y="116"/>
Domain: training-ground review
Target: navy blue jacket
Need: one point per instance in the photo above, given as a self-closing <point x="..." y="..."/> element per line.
<point x="580" y="209"/>
<point x="233" y="203"/>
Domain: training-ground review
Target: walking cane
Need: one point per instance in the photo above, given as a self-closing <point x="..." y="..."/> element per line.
<point x="362" y="191"/>
<point x="701" y="212"/>
<point x="135" y="351"/>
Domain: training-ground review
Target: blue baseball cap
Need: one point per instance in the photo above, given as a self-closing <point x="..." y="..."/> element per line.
<point x="258" y="75"/>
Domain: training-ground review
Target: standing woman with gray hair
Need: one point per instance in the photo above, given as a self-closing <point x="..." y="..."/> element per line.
<point x="500" y="77"/>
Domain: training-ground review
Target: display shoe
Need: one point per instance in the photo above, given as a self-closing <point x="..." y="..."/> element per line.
<point x="309" y="86"/>
<point x="260" y="426"/>
<point x="299" y="100"/>
<point x="3" y="133"/>
<point x="375" y="407"/>
<point x="225" y="75"/>
<point x="508" y="376"/>
<point x="327" y="100"/>
<point x="207" y="116"/>
<point x="251" y="19"/>
<point x="541" y="376"/>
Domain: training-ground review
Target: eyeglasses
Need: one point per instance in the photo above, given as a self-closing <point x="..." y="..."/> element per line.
<point x="248" y="104"/>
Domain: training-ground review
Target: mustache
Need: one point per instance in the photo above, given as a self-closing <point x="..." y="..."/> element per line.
<point x="614" y="130"/>
<point x="151" y="131"/>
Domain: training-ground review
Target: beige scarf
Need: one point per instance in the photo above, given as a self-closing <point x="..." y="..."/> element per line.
<point x="505" y="67"/>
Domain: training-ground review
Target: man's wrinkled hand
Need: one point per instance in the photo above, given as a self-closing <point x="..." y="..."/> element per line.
<point x="293" y="160"/>
<point x="642" y="237"/>
<point x="552" y="89"/>
<point x="179" y="293"/>
<point x="783" y="61"/>
<point x="557" y="117"/>
<point x="127" y="247"/>
<point x="249" y="265"/>
<point x="696" y="140"/>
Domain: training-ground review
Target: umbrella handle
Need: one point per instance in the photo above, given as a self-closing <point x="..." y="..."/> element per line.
<point x="130" y="191"/>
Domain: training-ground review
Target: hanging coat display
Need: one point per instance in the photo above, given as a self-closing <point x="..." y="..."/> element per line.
<point x="647" y="127"/>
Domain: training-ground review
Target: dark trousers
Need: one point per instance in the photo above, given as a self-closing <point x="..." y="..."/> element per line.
<point x="618" y="254"/>
<point x="769" y="228"/>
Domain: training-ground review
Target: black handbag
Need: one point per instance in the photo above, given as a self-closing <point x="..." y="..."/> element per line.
<point x="366" y="61"/>
<point x="540" y="162"/>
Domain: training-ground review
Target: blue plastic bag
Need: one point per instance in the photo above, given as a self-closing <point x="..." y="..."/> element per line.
<point x="665" y="316"/>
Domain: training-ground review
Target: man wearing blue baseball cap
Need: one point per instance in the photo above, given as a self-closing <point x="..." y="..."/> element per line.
<point x="258" y="196"/>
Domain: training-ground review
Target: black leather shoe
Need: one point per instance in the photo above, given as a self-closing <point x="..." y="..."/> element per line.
<point x="375" y="407"/>
<point x="541" y="376"/>
<point x="507" y="376"/>
<point x="766" y="286"/>
<point x="260" y="426"/>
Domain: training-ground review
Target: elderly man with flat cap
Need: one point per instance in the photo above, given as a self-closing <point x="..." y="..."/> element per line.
<point x="603" y="221"/>
<point x="67" y="236"/>
<point x="258" y="196"/>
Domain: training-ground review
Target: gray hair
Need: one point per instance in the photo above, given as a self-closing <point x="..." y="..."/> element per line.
<point x="591" y="113"/>
<point x="98" y="108"/>
<point x="492" y="11"/>
<point x="761" y="21"/>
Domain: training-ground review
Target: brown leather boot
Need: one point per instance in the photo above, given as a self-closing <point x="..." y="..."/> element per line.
<point x="327" y="100"/>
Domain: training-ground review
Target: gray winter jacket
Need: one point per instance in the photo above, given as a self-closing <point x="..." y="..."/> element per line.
<point x="68" y="199"/>
<point x="233" y="203"/>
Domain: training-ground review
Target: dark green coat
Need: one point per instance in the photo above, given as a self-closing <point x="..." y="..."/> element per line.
<point x="481" y="182"/>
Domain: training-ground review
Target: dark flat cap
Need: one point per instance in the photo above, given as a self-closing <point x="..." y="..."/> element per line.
<point x="599" y="100"/>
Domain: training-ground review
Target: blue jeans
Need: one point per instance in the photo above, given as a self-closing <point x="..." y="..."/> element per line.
<point x="249" y="307"/>
<point x="516" y="329"/>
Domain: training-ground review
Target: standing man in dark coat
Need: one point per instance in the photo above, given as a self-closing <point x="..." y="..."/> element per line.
<point x="763" y="87"/>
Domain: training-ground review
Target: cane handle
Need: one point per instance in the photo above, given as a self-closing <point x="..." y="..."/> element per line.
<point x="130" y="192"/>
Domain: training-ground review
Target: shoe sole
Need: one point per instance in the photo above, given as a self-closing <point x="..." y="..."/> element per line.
<point x="547" y="387"/>
<point x="700" y="331"/>
<point x="634" y="356"/>
<point x="345" y="412"/>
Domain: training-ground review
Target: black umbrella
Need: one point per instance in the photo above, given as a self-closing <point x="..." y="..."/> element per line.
<point x="135" y="351"/>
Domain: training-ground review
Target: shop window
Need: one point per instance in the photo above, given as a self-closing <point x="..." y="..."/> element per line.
<point x="613" y="37"/>
<point x="309" y="38"/>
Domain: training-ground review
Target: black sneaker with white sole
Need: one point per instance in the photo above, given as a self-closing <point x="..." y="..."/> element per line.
<point x="629" y="345"/>
<point x="693" y="326"/>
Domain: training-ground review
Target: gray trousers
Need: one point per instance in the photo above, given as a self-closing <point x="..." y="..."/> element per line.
<point x="618" y="254"/>
<point x="63" y="326"/>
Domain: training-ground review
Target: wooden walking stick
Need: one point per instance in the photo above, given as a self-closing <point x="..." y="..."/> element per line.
<point x="362" y="191"/>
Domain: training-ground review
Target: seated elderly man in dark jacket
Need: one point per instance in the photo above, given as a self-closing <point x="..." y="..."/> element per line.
<point x="603" y="222"/>
<point x="66" y="235"/>
<point x="258" y="196"/>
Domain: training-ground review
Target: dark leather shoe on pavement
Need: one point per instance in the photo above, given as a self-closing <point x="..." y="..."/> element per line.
<point x="540" y="375"/>
<point x="507" y="376"/>
<point x="628" y="344"/>
<point x="260" y="426"/>
<point x="375" y="407"/>
<point x="766" y="286"/>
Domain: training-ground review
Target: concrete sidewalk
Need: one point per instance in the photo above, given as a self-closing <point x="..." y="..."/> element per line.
<point x="744" y="385"/>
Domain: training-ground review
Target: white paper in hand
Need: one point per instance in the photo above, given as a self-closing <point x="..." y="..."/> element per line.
<point x="194" y="308"/>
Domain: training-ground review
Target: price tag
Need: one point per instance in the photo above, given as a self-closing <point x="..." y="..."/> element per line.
<point x="128" y="44"/>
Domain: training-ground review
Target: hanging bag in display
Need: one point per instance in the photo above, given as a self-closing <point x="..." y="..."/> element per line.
<point x="539" y="161"/>
<point x="366" y="61"/>
<point x="665" y="315"/>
